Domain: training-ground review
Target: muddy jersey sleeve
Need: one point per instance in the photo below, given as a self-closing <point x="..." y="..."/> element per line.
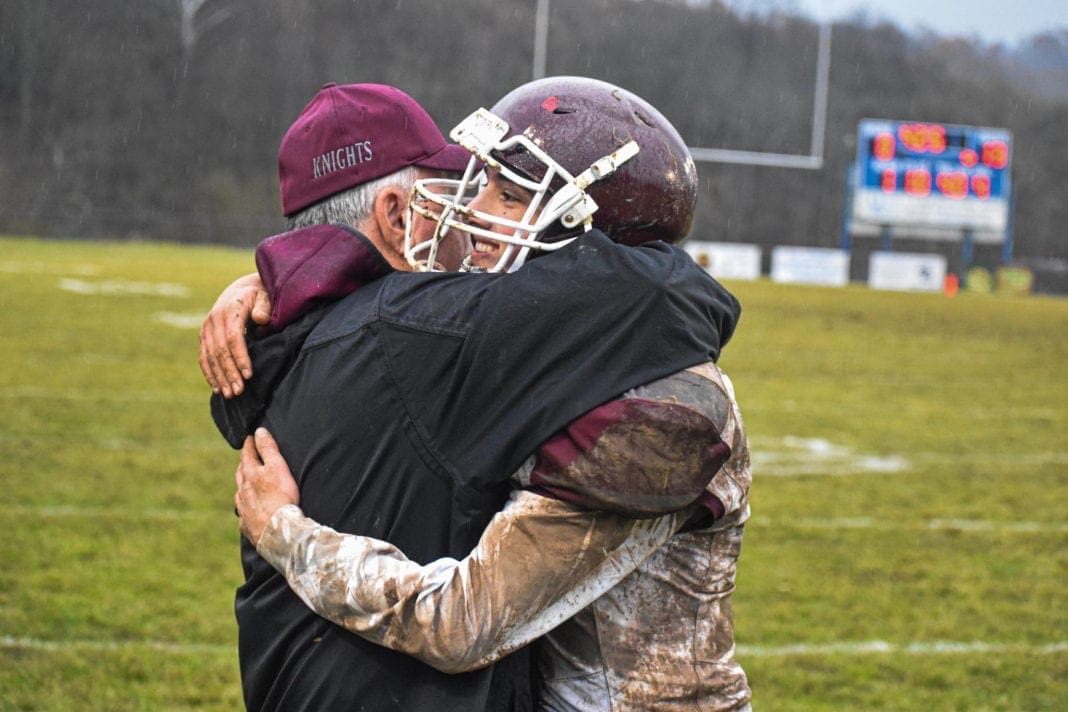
<point x="540" y="561"/>
<point x="654" y="450"/>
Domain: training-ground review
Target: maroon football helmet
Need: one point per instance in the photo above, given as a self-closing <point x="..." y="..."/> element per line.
<point x="593" y="155"/>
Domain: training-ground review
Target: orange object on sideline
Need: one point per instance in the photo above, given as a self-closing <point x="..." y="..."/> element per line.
<point x="951" y="285"/>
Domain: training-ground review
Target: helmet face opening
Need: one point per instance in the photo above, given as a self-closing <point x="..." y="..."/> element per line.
<point x="447" y="204"/>
<point x="589" y="154"/>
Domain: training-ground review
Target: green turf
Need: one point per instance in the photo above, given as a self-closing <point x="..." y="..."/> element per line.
<point x="910" y="490"/>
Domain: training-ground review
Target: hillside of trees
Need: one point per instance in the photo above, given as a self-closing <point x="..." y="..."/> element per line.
<point x="160" y="119"/>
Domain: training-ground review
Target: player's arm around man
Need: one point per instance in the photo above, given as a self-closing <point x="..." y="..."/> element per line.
<point x="539" y="561"/>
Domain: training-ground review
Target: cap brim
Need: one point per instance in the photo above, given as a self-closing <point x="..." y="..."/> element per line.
<point x="450" y="158"/>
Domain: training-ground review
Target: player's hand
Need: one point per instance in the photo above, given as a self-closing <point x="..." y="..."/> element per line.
<point x="224" y="357"/>
<point x="264" y="484"/>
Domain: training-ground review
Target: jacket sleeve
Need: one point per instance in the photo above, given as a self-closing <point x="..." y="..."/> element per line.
<point x="539" y="562"/>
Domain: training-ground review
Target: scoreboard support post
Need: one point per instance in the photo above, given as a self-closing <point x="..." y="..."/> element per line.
<point x="886" y="238"/>
<point x="1006" y="247"/>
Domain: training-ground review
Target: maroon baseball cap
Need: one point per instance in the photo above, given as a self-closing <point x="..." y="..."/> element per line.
<point x="349" y="134"/>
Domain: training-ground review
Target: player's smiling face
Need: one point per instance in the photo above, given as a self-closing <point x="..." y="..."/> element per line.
<point x="501" y="198"/>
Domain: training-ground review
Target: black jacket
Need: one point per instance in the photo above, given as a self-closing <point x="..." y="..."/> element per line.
<point x="404" y="408"/>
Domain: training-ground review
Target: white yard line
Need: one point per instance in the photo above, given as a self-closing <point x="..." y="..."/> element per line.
<point x="96" y="394"/>
<point x="869" y="647"/>
<point x="794" y="456"/>
<point x="937" y="647"/>
<point x="962" y="525"/>
<point x="777" y="465"/>
<point x="161" y="646"/>
<point x="113" y="512"/>
<point x="191" y="320"/>
<point x="122" y="287"/>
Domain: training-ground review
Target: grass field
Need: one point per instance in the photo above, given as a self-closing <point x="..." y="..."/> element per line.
<point x="908" y="548"/>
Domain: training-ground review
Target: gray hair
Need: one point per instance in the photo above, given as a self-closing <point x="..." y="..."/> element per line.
<point x="353" y="206"/>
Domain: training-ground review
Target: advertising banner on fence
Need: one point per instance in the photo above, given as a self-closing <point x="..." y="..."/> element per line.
<point x="726" y="260"/>
<point x="810" y="265"/>
<point x="906" y="271"/>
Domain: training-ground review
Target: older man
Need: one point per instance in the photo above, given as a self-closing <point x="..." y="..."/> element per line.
<point x="350" y="160"/>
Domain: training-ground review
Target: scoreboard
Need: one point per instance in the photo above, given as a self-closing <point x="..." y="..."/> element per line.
<point x="932" y="175"/>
